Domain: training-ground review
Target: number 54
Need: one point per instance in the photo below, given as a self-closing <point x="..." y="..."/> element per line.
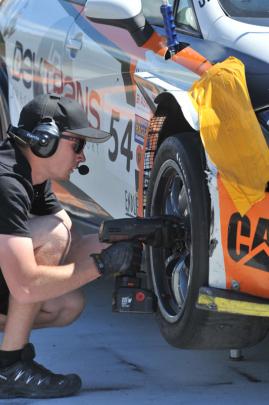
<point x="126" y="143"/>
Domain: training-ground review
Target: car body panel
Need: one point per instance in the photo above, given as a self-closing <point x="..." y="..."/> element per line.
<point x="117" y="81"/>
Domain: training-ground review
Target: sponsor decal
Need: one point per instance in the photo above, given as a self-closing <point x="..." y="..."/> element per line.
<point x="122" y="144"/>
<point x="139" y="157"/>
<point x="202" y="3"/>
<point x="246" y="247"/>
<point x="141" y="102"/>
<point x="131" y="203"/>
<point x="245" y="243"/>
<point x="141" y="125"/>
<point x="45" y="77"/>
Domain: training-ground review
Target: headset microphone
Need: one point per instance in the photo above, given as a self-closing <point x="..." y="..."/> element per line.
<point x="83" y="169"/>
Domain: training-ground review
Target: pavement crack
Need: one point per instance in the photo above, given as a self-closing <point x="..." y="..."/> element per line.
<point x="216" y="384"/>
<point x="109" y="388"/>
<point x="249" y="377"/>
<point x="133" y="366"/>
<point x="209" y="384"/>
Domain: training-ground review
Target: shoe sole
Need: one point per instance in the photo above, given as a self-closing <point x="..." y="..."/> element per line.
<point x="9" y="395"/>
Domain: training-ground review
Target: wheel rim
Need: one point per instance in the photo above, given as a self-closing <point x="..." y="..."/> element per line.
<point x="172" y="267"/>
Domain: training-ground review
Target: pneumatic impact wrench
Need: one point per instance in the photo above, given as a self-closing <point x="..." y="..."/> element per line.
<point x="131" y="293"/>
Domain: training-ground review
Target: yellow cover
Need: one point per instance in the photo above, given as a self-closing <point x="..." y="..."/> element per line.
<point x="231" y="133"/>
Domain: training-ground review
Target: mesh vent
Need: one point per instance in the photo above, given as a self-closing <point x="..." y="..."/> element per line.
<point x="155" y="127"/>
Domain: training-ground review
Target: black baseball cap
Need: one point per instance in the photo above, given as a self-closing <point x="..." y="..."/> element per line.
<point x="66" y="112"/>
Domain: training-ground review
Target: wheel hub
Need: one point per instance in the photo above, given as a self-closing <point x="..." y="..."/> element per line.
<point x="171" y="267"/>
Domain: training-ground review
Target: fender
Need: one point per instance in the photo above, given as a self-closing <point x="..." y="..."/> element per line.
<point x="171" y="108"/>
<point x="175" y="105"/>
<point x="148" y="83"/>
<point x="182" y="99"/>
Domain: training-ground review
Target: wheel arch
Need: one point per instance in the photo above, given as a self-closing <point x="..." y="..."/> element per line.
<point x="175" y="120"/>
<point x="169" y="119"/>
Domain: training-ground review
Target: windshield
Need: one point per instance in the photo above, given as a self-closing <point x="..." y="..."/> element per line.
<point x="246" y="8"/>
<point x="151" y="9"/>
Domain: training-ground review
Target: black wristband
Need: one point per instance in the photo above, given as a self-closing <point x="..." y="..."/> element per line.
<point x="99" y="263"/>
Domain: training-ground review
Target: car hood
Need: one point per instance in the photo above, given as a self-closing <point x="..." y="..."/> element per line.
<point x="257" y="67"/>
<point x="248" y="41"/>
<point x="257" y="76"/>
<point x="254" y="44"/>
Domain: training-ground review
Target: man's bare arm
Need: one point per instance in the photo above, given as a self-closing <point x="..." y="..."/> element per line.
<point x="30" y="282"/>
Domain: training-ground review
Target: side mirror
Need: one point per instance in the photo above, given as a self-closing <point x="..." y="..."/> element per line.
<point x="126" y="14"/>
<point x="112" y="10"/>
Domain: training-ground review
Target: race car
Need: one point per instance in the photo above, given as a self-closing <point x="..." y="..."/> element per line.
<point x="113" y="57"/>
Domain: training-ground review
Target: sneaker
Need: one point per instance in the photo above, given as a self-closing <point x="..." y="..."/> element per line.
<point x="28" y="379"/>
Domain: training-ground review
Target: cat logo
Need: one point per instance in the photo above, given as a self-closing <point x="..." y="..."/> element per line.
<point x="248" y="247"/>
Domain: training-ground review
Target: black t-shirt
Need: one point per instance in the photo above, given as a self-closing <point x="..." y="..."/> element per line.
<point x="18" y="197"/>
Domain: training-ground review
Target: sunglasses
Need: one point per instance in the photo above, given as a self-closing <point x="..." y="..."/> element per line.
<point x="78" y="145"/>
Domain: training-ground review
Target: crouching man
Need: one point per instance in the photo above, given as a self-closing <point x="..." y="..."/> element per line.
<point x="37" y="289"/>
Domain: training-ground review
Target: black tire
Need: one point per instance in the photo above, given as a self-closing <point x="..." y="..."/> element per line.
<point x="4" y="116"/>
<point x="178" y="187"/>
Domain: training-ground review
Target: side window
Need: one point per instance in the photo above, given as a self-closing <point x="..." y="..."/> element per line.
<point x="185" y="16"/>
<point x="151" y="10"/>
<point x="80" y="2"/>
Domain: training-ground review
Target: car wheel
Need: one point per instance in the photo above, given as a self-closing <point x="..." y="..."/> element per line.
<point x="178" y="187"/>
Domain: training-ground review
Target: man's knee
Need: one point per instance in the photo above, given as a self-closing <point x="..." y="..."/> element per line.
<point x="71" y="307"/>
<point x="74" y="308"/>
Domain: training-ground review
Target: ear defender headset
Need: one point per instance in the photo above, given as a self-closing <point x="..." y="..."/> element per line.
<point x="44" y="138"/>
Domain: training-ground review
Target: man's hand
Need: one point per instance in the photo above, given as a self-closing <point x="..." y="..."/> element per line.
<point x="119" y="258"/>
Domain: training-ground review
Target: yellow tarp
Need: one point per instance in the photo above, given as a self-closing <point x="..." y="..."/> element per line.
<point x="230" y="132"/>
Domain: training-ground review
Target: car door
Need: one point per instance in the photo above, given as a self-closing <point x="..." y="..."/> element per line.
<point x="99" y="75"/>
<point x="34" y="34"/>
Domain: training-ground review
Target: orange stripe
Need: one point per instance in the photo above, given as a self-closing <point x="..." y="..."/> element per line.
<point x="157" y="44"/>
<point x="192" y="60"/>
<point x="252" y="280"/>
<point x="188" y="57"/>
<point x="140" y="210"/>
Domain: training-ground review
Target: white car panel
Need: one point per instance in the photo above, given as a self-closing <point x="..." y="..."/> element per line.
<point x="113" y="9"/>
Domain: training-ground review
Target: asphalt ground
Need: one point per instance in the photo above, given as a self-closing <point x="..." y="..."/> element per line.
<point x="122" y="359"/>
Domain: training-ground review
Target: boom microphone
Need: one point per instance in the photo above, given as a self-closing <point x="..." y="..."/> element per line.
<point x="83" y="169"/>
